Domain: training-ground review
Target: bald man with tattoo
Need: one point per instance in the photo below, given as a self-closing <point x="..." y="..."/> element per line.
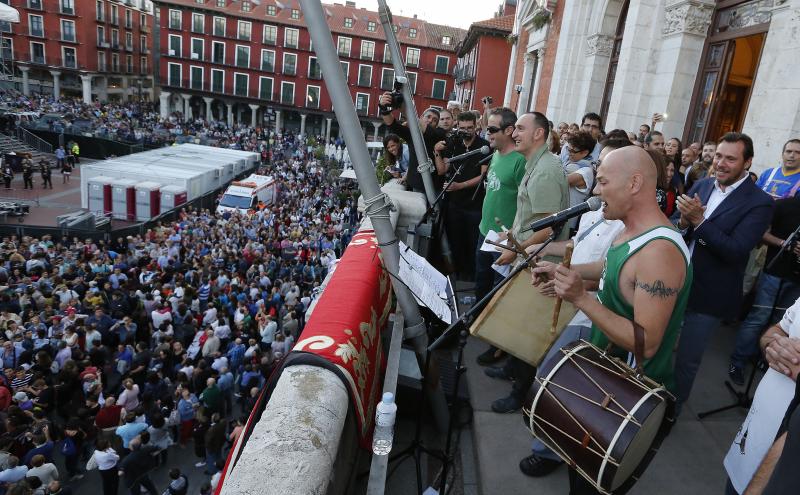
<point x="644" y="279"/>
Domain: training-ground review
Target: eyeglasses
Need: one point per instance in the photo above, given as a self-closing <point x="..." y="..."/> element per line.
<point x="573" y="150"/>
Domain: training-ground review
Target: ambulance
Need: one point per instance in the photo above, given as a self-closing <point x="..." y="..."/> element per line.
<point x="246" y="194"/>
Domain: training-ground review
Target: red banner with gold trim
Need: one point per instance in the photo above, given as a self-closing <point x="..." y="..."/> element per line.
<point x="345" y="325"/>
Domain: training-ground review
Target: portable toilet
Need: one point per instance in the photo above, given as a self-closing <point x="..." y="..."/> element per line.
<point x="172" y="197"/>
<point x="123" y="194"/>
<point x="148" y="198"/>
<point x="100" y="194"/>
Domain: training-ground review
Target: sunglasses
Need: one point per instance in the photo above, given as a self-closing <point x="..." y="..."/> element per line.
<point x="492" y="129"/>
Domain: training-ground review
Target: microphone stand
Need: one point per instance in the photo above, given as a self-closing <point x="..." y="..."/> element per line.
<point x="432" y="207"/>
<point x="743" y="398"/>
<point x="462" y="326"/>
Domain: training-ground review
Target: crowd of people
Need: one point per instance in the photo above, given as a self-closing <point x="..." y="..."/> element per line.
<point x="137" y="122"/>
<point x="677" y="248"/>
<point x="116" y="353"/>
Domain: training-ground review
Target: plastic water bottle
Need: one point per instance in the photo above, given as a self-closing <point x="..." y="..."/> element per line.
<point x="384" y="425"/>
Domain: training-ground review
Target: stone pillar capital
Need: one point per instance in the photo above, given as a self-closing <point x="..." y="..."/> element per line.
<point x="687" y="17"/>
<point x="165" y="94"/>
<point x="55" y="73"/>
<point x="24" y="68"/>
<point x="208" y="99"/>
<point x="599" y="44"/>
<point x="185" y="96"/>
<point x="253" y="107"/>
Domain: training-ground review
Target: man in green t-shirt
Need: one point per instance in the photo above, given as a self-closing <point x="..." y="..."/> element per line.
<point x="502" y="182"/>
<point x="544" y="191"/>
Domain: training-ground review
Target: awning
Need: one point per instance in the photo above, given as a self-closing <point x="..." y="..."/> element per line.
<point x="8" y="13"/>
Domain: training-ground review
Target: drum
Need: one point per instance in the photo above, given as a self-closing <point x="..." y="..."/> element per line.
<point x="518" y="320"/>
<point x="598" y="415"/>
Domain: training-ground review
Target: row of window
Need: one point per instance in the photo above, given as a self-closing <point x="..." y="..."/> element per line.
<point x="241" y="87"/>
<point x="65" y="6"/>
<point x="348" y="22"/>
<point x="36" y="28"/>
<point x="247" y="6"/>
<point x="241" y="82"/>
<point x="292" y="36"/>
<point x="197" y="45"/>
<point x="114" y="41"/>
<point x="38" y="55"/>
<point x="113" y="17"/>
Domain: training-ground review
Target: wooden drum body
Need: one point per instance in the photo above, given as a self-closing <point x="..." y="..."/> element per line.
<point x="518" y="320"/>
<point x="596" y="414"/>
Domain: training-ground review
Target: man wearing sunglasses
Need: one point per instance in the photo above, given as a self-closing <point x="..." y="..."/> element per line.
<point x="502" y="182"/>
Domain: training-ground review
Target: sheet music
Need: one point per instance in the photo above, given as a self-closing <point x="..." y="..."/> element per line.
<point x="428" y="285"/>
<point x="424" y="293"/>
<point x="420" y="265"/>
<point x="493" y="236"/>
<point x="490" y="236"/>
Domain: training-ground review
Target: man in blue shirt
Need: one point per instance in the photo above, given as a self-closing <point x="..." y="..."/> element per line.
<point x="784" y="181"/>
<point x="130" y="429"/>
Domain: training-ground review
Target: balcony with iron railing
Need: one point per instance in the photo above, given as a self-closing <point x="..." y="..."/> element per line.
<point x="464" y="73"/>
<point x="53" y="62"/>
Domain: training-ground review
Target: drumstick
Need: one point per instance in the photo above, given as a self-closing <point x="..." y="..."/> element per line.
<point x="517" y="246"/>
<point x="557" y="308"/>
<point x="503" y="246"/>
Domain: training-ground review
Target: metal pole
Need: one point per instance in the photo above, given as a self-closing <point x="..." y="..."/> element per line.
<point x="377" y="202"/>
<point x="425" y="165"/>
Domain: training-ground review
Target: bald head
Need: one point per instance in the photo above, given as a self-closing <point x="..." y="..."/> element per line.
<point x="630" y="161"/>
<point x="626" y="181"/>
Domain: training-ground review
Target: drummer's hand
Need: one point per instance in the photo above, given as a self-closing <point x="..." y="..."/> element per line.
<point x="783" y="355"/>
<point x="543" y="273"/>
<point x="547" y="289"/>
<point x="568" y="284"/>
<point x="507" y="256"/>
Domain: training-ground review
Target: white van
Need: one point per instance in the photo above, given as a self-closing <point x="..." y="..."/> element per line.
<point x="244" y="195"/>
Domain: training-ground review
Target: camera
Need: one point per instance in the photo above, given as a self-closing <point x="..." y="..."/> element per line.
<point x="487" y="100"/>
<point x="397" y="102"/>
<point x="454" y="137"/>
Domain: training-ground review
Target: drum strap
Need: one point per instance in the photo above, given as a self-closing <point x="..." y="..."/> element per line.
<point x="638" y="346"/>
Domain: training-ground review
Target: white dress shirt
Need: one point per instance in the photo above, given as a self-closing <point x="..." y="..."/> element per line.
<point x="716" y="199"/>
<point x="594" y="237"/>
<point x="106" y="459"/>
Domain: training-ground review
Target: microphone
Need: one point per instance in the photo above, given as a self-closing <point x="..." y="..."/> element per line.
<point x="484" y="150"/>
<point x="592" y="204"/>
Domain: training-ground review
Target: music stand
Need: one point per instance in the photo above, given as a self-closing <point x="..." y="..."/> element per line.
<point x="462" y="324"/>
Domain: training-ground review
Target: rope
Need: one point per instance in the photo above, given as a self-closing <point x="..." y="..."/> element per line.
<point x="378" y="206"/>
<point x="425" y="167"/>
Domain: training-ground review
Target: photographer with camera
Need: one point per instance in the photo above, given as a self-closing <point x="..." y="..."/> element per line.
<point x="389" y="103"/>
<point x="464" y="202"/>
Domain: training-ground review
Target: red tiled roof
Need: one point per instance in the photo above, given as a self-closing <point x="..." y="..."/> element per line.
<point x="337" y="13"/>
<point x="504" y="23"/>
<point x="496" y="26"/>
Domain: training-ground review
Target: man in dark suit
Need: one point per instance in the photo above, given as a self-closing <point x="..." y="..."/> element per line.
<point x="723" y="218"/>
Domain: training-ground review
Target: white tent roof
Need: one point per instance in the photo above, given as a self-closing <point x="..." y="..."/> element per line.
<point x="8" y="14"/>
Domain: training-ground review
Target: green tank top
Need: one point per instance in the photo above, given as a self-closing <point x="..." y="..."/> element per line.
<point x="659" y="367"/>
